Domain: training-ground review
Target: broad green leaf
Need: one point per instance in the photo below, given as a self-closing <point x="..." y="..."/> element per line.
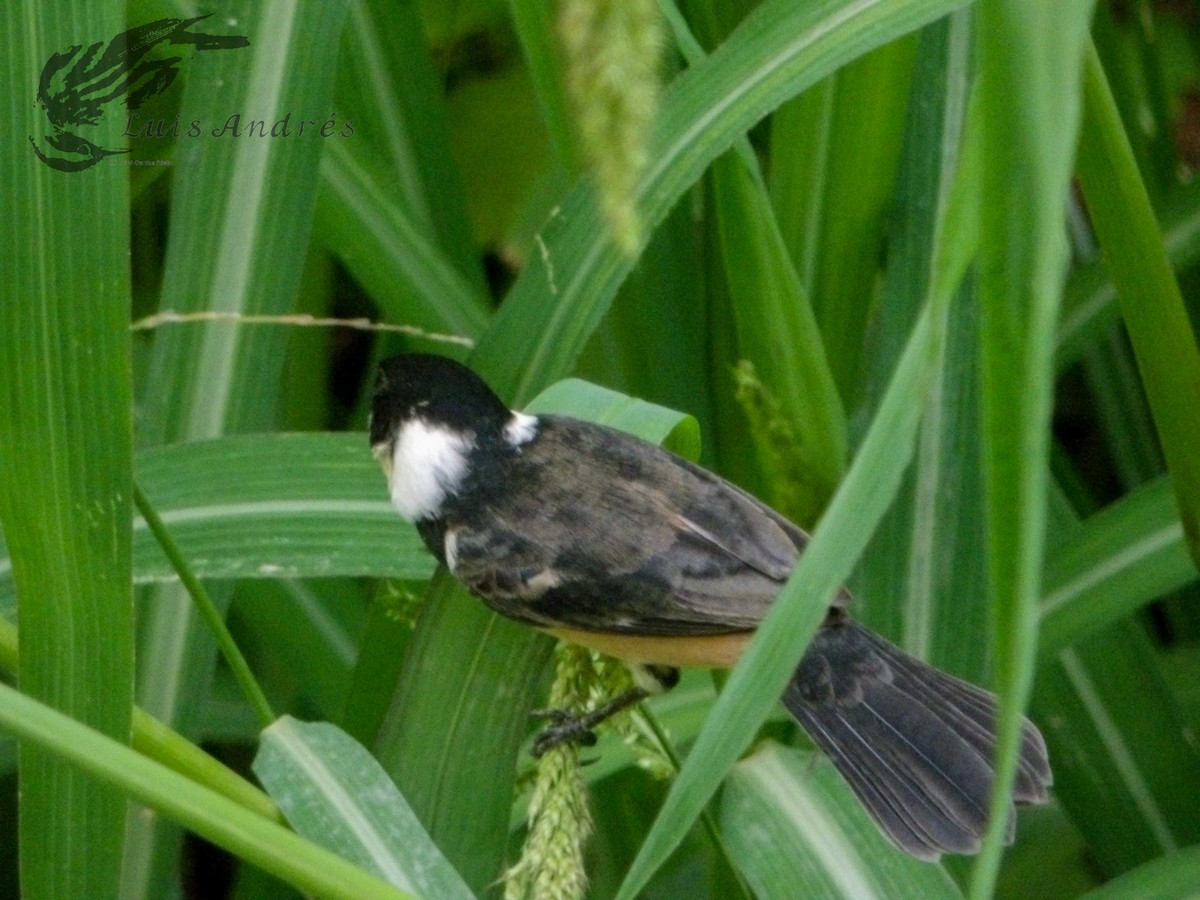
<point x="269" y="506"/>
<point x="276" y="506"/>
<point x="796" y="830"/>
<point x="66" y="426"/>
<point x="649" y="421"/>
<point x="334" y="793"/>
<point x="254" y="838"/>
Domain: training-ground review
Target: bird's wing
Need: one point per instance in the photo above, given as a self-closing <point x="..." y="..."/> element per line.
<point x="621" y="537"/>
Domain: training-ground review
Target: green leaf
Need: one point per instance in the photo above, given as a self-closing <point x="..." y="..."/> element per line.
<point x="676" y="431"/>
<point x="1026" y="115"/>
<point x="259" y="840"/>
<point x="1123" y="771"/>
<point x="334" y="793"/>
<point x="1090" y="300"/>
<point x="778" y="51"/>
<point x="1119" y="560"/>
<point x="270" y="506"/>
<point x="1171" y="877"/>
<point x="389" y="91"/>
<point x="1151" y="304"/>
<point x="276" y="506"/>
<point x="237" y="239"/>
<point x="241" y="216"/>
<point x="777" y="333"/>
<point x="66" y="439"/>
<point x="457" y="718"/>
<point x="535" y="25"/>
<point x="922" y="580"/>
<point x="309" y="626"/>
<point x="795" y="829"/>
<point x="848" y="180"/>
<point x="386" y="249"/>
<point x="155" y="740"/>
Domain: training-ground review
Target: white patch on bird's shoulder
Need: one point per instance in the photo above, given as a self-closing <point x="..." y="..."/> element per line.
<point x="540" y="583"/>
<point x="450" y="549"/>
<point x="521" y="429"/>
<point x="429" y="463"/>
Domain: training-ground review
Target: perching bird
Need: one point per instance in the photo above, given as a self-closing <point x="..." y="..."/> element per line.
<point x="611" y="542"/>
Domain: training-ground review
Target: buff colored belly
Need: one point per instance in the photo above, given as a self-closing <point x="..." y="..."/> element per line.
<point x="715" y="651"/>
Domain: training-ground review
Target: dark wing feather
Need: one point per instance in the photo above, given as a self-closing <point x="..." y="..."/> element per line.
<point x="591" y="529"/>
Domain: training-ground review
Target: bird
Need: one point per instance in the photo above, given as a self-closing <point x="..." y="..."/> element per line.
<point x="599" y="538"/>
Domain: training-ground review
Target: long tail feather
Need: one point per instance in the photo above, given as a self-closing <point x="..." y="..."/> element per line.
<point x="915" y="744"/>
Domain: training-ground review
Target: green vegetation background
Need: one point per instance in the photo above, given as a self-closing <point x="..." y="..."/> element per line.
<point x="919" y="271"/>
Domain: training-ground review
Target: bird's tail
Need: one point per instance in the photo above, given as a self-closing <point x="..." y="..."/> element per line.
<point x="915" y="744"/>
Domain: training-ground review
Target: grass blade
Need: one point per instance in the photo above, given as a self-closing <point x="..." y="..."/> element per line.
<point x="335" y="794"/>
<point x="922" y="580"/>
<point x="1090" y="301"/>
<point x="1151" y="304"/>
<point x="240" y="216"/>
<point x="535" y="25"/>
<point x="1030" y="65"/>
<point x="458" y="716"/>
<point x="778" y="51"/>
<point x="402" y="269"/>
<point x="778" y="334"/>
<point x="66" y="446"/>
<point x="298" y="505"/>
<point x="864" y="125"/>
<point x="261" y="841"/>
<point x="1119" y="560"/>
<point x="795" y="830"/>
<point x="204" y="605"/>
<point x="1122" y="771"/>
<point x="158" y="742"/>
<point x="1173" y="877"/>
<point x="388" y="88"/>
